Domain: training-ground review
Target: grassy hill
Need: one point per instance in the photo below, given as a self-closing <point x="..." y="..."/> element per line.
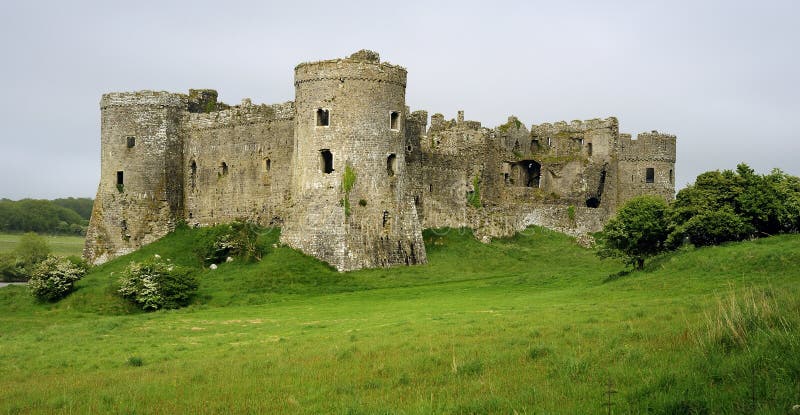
<point x="532" y="324"/>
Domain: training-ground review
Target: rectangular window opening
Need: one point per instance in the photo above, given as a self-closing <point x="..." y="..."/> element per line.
<point x="131" y="141"/>
<point x="394" y="120"/>
<point x="326" y="161"/>
<point x="650" y="175"/>
<point x="323" y="117"/>
<point x="589" y="148"/>
<point x="120" y="178"/>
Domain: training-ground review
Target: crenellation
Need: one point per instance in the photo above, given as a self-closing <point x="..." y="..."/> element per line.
<point x="350" y="173"/>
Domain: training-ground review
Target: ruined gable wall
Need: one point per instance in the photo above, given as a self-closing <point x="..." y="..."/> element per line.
<point x="255" y="142"/>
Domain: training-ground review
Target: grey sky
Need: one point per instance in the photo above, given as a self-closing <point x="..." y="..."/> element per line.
<point x="721" y="75"/>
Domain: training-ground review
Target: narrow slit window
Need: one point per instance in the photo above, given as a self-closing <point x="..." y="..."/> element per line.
<point x="323" y="117"/>
<point x="589" y="149"/>
<point x="671" y="177"/>
<point x="224" y="168"/>
<point x="326" y="161"/>
<point x="193" y="174"/>
<point x="650" y="175"/>
<point x="130" y="141"/>
<point x="385" y="218"/>
<point x="267" y="164"/>
<point x="391" y="164"/>
<point x="120" y="178"/>
<point x="394" y="120"/>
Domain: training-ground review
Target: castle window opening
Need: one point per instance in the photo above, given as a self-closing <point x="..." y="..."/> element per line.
<point x="527" y="173"/>
<point x="120" y="178"/>
<point x="650" y="175"/>
<point x="394" y="120"/>
<point x="534" y="145"/>
<point x="224" y="167"/>
<point x="385" y="218"/>
<point x="267" y="164"/>
<point x="592" y="202"/>
<point x="391" y="164"/>
<point x="671" y="177"/>
<point x="589" y="149"/>
<point x="430" y="188"/>
<point x="131" y="141"/>
<point x="326" y="161"/>
<point x="323" y="117"/>
<point x="193" y="174"/>
<point x="549" y="141"/>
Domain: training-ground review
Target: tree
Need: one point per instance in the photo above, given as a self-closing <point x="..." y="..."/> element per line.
<point x="31" y="249"/>
<point x="638" y="231"/>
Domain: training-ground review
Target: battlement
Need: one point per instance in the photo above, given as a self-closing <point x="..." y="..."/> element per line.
<point x="243" y="114"/>
<point x="576" y="126"/>
<point x="363" y="65"/>
<point x="647" y="146"/>
<point x="144" y="98"/>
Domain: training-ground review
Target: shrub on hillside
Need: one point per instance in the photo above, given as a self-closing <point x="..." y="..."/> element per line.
<point x="237" y="239"/>
<point x="155" y="284"/>
<point x="54" y="278"/>
<point x="638" y="231"/>
<point x="712" y="228"/>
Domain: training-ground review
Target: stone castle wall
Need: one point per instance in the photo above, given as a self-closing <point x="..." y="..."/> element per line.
<point x="351" y="174"/>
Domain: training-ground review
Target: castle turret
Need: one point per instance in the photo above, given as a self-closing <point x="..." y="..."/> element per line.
<point x="351" y="204"/>
<point x="646" y="166"/>
<point x="140" y="195"/>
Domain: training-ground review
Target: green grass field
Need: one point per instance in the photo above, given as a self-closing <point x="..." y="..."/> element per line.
<point x="530" y="324"/>
<point x="59" y="244"/>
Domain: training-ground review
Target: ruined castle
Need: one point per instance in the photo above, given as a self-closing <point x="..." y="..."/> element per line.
<point x="350" y="174"/>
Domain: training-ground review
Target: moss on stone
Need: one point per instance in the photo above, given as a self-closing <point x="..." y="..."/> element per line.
<point x="474" y="197"/>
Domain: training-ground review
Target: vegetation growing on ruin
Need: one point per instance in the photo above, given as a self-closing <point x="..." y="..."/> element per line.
<point x="348" y="181"/>
<point x="530" y="324"/>
<point x="474" y="196"/>
<point x="513" y="122"/>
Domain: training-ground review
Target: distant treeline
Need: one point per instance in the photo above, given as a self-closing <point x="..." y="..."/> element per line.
<point x="62" y="216"/>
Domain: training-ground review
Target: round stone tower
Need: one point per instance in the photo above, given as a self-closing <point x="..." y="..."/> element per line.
<point x="140" y="193"/>
<point x="350" y="201"/>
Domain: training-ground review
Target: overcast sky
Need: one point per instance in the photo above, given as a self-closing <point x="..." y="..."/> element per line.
<point x="721" y="75"/>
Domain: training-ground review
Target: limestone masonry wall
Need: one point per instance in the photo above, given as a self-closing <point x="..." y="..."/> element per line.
<point x="350" y="174"/>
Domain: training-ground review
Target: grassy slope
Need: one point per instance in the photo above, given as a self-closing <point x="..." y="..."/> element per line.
<point x="59" y="244"/>
<point x="532" y="324"/>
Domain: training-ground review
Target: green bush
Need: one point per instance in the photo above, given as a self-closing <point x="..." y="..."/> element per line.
<point x="237" y="239"/>
<point x="54" y="278"/>
<point x="712" y="228"/>
<point x="638" y="231"/>
<point x="31" y="249"/>
<point x="10" y="269"/>
<point x="19" y="264"/>
<point x="155" y="284"/>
